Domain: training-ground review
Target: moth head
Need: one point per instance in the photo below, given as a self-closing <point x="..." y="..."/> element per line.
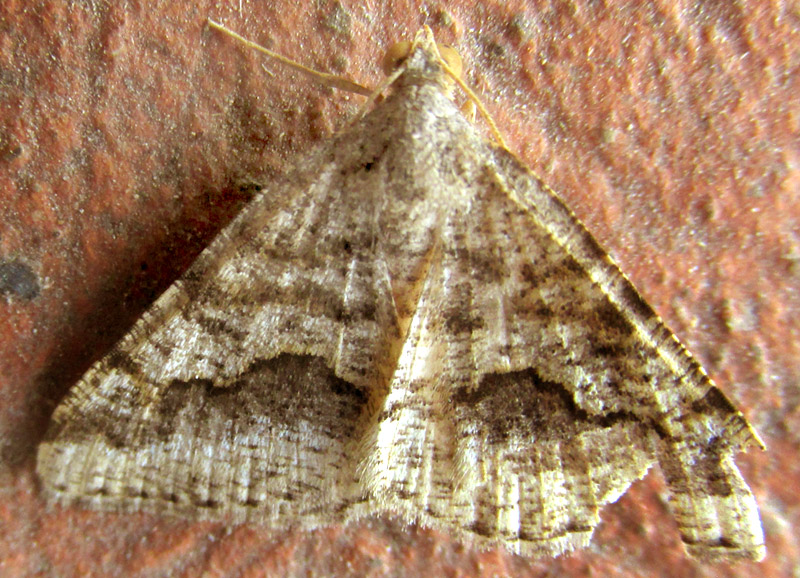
<point x="398" y="52"/>
<point x="452" y="66"/>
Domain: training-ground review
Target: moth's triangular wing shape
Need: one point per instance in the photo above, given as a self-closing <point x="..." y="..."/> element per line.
<point x="535" y="386"/>
<point x="412" y="323"/>
<point x="240" y="393"/>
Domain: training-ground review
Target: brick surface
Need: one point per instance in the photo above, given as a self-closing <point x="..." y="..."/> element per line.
<point x="127" y="129"/>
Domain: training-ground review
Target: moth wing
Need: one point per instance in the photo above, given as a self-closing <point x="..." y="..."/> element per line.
<point x="697" y="430"/>
<point x="536" y="385"/>
<point x="243" y="389"/>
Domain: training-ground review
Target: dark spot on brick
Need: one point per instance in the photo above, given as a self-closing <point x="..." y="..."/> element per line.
<point x="18" y="279"/>
<point x="494" y="50"/>
<point x="10" y="151"/>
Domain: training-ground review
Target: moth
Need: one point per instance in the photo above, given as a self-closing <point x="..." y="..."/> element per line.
<point x="410" y="323"/>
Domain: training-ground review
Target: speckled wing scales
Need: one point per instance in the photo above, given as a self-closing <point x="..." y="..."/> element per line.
<point x="641" y="371"/>
<point x="241" y="393"/>
<point x="412" y="324"/>
<point x="535" y="386"/>
<point x="471" y="437"/>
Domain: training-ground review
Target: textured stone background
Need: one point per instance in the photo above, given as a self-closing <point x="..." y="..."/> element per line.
<point x="127" y="128"/>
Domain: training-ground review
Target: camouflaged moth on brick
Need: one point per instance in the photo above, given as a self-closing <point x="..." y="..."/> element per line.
<point x="410" y="323"/>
